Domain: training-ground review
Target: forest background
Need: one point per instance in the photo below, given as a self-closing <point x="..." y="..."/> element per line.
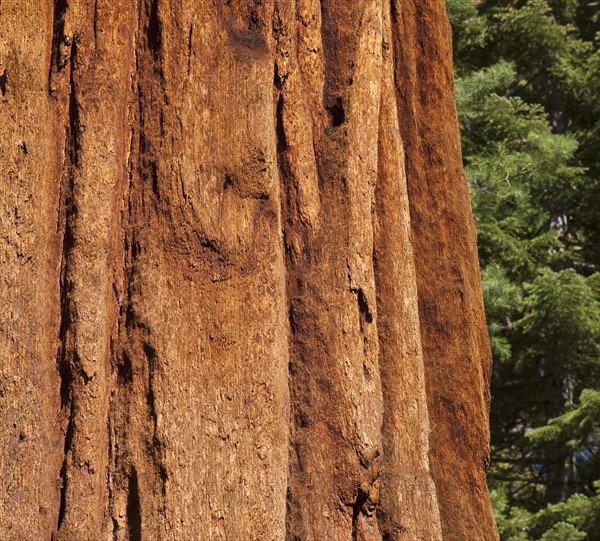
<point x="528" y="93"/>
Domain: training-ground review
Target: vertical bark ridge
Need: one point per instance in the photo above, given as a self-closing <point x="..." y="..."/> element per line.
<point x="206" y="333"/>
<point x="29" y="288"/>
<point x="453" y="332"/>
<point x="409" y="506"/>
<point x="140" y="476"/>
<point x="334" y="377"/>
<point x="96" y="175"/>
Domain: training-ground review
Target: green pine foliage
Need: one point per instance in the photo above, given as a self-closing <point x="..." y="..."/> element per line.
<point x="528" y="96"/>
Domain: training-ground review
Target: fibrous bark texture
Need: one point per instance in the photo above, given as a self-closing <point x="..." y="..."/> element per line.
<point x="240" y="294"/>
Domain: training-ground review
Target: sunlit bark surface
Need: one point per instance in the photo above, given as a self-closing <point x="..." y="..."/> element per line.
<point x="240" y="295"/>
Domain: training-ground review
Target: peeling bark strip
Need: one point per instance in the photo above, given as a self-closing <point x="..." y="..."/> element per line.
<point x="240" y="290"/>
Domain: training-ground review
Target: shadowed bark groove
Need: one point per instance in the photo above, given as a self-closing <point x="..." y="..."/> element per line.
<point x="255" y="313"/>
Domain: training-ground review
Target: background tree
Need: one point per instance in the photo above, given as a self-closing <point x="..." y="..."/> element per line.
<point x="528" y="77"/>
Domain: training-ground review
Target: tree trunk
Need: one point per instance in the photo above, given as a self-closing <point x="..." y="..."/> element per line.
<point x="240" y="294"/>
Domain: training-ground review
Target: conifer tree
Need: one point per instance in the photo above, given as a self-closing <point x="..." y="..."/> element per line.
<point x="528" y="80"/>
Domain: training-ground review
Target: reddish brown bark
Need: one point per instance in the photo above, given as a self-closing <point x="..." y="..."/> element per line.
<point x="240" y="288"/>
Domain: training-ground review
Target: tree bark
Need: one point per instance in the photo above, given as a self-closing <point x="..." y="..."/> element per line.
<point x="239" y="285"/>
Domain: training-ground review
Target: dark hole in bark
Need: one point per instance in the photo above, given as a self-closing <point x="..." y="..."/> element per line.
<point x="125" y="369"/>
<point x="228" y="182"/>
<point x="363" y="307"/>
<point x="337" y="114"/>
<point x="357" y="508"/>
<point x="3" y="81"/>
<point x="154" y="30"/>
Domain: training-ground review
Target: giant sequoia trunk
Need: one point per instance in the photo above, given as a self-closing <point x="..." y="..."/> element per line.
<point x="240" y="294"/>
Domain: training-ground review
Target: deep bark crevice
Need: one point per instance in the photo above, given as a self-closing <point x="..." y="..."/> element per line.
<point x="95" y="24"/>
<point x="66" y="217"/>
<point x="63" y="495"/>
<point x="190" y="46"/>
<point x="58" y="30"/>
<point x="280" y="132"/>
<point x="134" y="507"/>
<point x="151" y="357"/>
<point x="357" y="510"/>
<point x="63" y="472"/>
